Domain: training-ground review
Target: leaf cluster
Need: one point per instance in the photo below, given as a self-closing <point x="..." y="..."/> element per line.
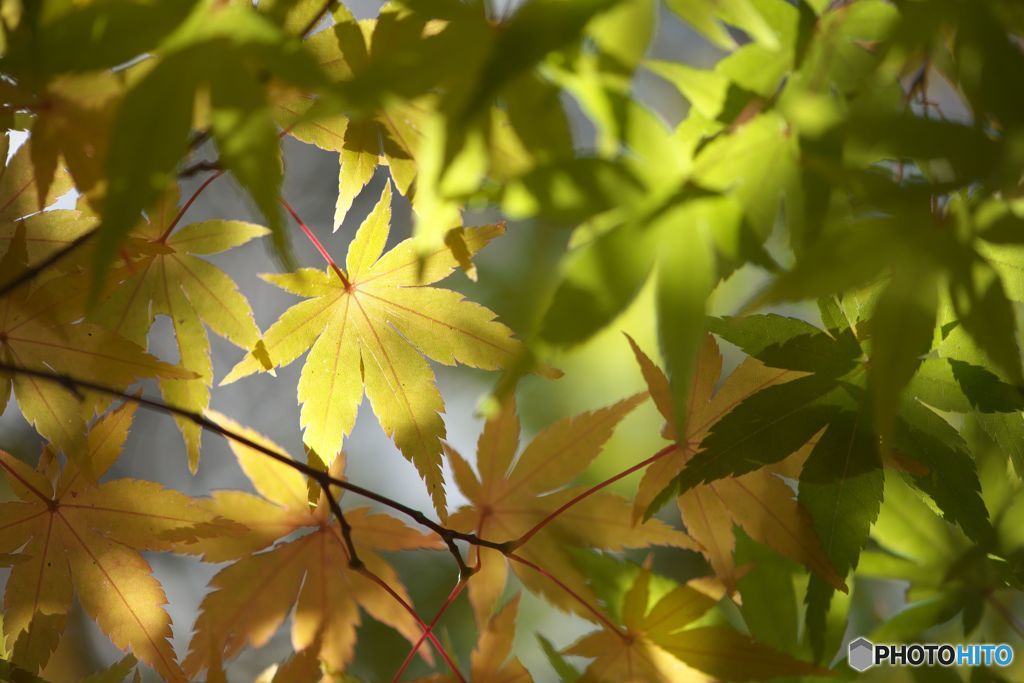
<point x="862" y="160"/>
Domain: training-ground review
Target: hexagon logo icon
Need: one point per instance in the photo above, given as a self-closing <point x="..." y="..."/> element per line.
<point x="861" y="656"/>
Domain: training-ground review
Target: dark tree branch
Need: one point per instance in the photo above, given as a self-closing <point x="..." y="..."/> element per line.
<point x="29" y="274"/>
<point x="324" y="479"/>
<point x="200" y="167"/>
<point x="315" y="21"/>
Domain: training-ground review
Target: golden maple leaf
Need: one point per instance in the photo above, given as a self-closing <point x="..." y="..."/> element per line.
<point x="507" y="501"/>
<point x="760" y="502"/>
<point x="164" y="275"/>
<point x="371" y="328"/>
<point x="400" y="134"/>
<point x="253" y="596"/>
<point x="74" y="127"/>
<point x="393" y="136"/>
<point x="40" y="329"/>
<point x="489" y="662"/>
<point x="72" y="537"/>
<point x="20" y="204"/>
<point x="659" y="644"/>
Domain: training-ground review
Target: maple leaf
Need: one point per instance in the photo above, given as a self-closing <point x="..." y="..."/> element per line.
<point x="760" y="502"/>
<point x="490" y="661"/>
<point x="20" y="195"/>
<point x="47" y="232"/>
<point x="393" y="136"/>
<point x="660" y="645"/>
<point x="75" y="126"/>
<point x="395" y="132"/>
<point x="507" y="501"/>
<point x="73" y="537"/>
<point x="20" y="198"/>
<point x="40" y="329"/>
<point x="302" y="667"/>
<point x="368" y="328"/>
<point x="253" y="596"/>
<point x="164" y="275"/>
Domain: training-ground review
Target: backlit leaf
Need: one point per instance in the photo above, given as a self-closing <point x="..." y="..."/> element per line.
<point x="374" y="334"/>
<point x="85" y="540"/>
<point x="508" y="500"/>
<point x="761" y="503"/>
<point x="310" y="574"/>
<point x="658" y="644"/>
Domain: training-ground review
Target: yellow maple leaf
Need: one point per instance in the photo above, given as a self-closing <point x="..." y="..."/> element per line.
<point x="47" y="232"/>
<point x="400" y="133"/>
<point x="164" y="275"/>
<point x="40" y="329"/>
<point x="253" y="596"/>
<point x="20" y="200"/>
<point x="74" y="538"/>
<point x="508" y="501"/>
<point x="760" y="502"/>
<point x="489" y="662"/>
<point x="19" y="193"/>
<point x="370" y="328"/>
<point x="393" y="136"/>
<point x="660" y="645"/>
<point x="75" y="127"/>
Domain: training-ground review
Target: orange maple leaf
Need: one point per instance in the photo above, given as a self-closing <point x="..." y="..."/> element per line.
<point x="490" y="661"/>
<point x="72" y="537"/>
<point x="309" y="575"/>
<point x="508" y="501"/>
<point x="660" y="644"/>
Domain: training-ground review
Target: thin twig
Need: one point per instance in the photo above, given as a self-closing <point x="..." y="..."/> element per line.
<point x="408" y="608"/>
<point x="36" y="270"/>
<point x="593" y="489"/>
<point x="198" y="139"/>
<point x="315" y="21"/>
<point x="185" y="207"/>
<point x="200" y="167"/>
<point x="324" y="479"/>
<point x="346" y="529"/>
<point x="576" y="596"/>
<point x="456" y="591"/>
<point x="316" y="243"/>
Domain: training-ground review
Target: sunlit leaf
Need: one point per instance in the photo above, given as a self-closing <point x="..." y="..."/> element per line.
<point x="373" y="333"/>
<point x="310" y="574"/>
<point x="84" y="540"/>
<point x="508" y="500"/>
<point x="760" y="502"/>
<point x="658" y="644"/>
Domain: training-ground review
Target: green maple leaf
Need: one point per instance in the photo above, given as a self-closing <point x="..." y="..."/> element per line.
<point x="225" y="51"/>
<point x="760" y="502"/>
